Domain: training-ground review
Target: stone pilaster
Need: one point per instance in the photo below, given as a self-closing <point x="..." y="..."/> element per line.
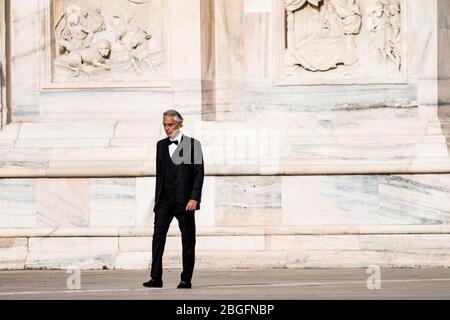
<point x="444" y="66"/>
<point x="3" y="67"/>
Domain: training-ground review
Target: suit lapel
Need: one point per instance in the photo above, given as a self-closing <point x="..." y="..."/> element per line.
<point x="179" y="146"/>
<point x="176" y="151"/>
<point x="166" y="151"/>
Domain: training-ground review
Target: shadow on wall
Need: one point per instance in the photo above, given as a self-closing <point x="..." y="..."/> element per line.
<point x="444" y="66"/>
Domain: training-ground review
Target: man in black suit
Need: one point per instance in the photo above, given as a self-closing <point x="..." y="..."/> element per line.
<point x="179" y="182"/>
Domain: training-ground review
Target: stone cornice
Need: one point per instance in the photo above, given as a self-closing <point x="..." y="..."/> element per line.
<point x="226" y="231"/>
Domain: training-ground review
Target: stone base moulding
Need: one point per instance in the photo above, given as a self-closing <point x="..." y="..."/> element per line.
<point x="235" y="252"/>
<point x="256" y="221"/>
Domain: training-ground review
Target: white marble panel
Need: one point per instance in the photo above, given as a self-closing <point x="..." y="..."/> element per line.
<point x="25" y="60"/>
<point x="135" y="244"/>
<point x="248" y="200"/>
<point x="13" y="252"/>
<point x="113" y="202"/>
<point x="417" y="243"/>
<point x="95" y="105"/>
<point x="25" y="158"/>
<point x="414" y="199"/>
<point x="206" y="216"/>
<point x="9" y="134"/>
<point x="185" y="40"/>
<point x="70" y="260"/>
<point x="329" y="200"/>
<point x="112" y="154"/>
<point x="240" y="259"/>
<point x="133" y="261"/>
<point x="17" y="203"/>
<point x="64" y="253"/>
<point x="230" y="243"/>
<point x="128" y="133"/>
<point x="312" y="242"/>
<point x="62" y="202"/>
<point x="145" y="201"/>
<point x="251" y="6"/>
<point x="65" y="134"/>
<point x="248" y="192"/>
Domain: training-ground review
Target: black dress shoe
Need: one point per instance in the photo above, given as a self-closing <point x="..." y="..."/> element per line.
<point x="152" y="283"/>
<point x="184" y="285"/>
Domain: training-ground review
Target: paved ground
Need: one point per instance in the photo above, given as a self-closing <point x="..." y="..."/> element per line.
<point x="232" y="284"/>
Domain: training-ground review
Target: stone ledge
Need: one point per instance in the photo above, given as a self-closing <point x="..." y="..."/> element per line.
<point x="225" y="231"/>
<point x="145" y="168"/>
<point x="127" y="149"/>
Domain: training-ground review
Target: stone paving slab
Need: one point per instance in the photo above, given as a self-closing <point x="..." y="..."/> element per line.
<point x="276" y="284"/>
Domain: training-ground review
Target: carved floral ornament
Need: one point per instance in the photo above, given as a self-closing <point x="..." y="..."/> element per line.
<point x="324" y="35"/>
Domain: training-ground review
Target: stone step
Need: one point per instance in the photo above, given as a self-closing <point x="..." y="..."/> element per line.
<point x="302" y="251"/>
<point x="229" y="231"/>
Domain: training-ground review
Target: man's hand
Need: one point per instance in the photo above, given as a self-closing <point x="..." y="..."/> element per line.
<point x="192" y="204"/>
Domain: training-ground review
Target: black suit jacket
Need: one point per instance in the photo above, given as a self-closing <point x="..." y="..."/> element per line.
<point x="190" y="175"/>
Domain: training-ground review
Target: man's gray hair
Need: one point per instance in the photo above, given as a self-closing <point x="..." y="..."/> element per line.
<point x="175" y="114"/>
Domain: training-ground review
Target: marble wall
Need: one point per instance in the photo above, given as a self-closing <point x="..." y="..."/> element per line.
<point x="339" y="200"/>
<point x="306" y="221"/>
<point x="345" y="166"/>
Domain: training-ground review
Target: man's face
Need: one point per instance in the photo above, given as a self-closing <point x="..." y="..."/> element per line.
<point x="73" y="19"/>
<point x="104" y="51"/>
<point x="171" y="127"/>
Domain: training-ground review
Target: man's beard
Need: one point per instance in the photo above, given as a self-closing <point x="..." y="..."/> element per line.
<point x="174" y="134"/>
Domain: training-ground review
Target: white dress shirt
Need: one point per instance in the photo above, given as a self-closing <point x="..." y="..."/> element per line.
<point x="173" y="146"/>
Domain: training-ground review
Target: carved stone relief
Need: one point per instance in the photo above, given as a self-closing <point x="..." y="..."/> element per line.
<point x="108" y="41"/>
<point x="342" y="39"/>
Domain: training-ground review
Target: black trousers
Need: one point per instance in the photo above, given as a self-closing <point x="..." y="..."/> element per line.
<point x="164" y="214"/>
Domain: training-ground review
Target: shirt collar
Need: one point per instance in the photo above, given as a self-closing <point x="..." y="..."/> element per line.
<point x="178" y="137"/>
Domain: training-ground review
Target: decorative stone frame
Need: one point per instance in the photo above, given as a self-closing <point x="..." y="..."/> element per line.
<point x="280" y="43"/>
<point x="46" y="56"/>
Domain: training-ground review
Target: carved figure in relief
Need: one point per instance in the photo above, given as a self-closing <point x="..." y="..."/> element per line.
<point x="136" y="41"/>
<point x="96" y="21"/>
<point x="121" y="24"/>
<point x="334" y="41"/>
<point x="90" y="43"/>
<point x="132" y="40"/>
<point x="96" y="57"/>
<point x="378" y="26"/>
<point x="75" y="34"/>
<point x="384" y="24"/>
<point x="341" y="17"/>
<point x="293" y="5"/>
<point x="394" y="12"/>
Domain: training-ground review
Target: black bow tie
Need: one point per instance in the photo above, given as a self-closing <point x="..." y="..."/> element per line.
<point x="175" y="141"/>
